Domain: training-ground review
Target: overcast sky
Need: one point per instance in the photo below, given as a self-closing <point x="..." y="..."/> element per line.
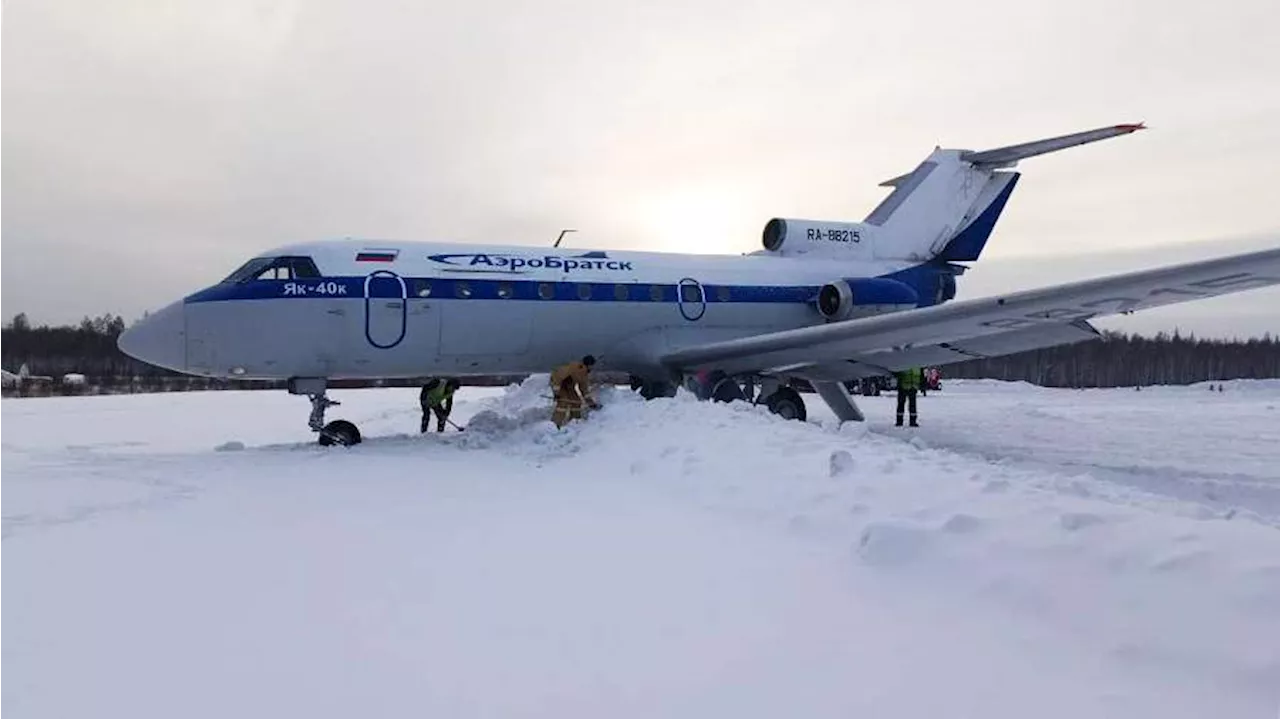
<point x="151" y="147"/>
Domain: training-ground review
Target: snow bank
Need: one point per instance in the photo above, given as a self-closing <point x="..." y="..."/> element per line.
<point x="1027" y="552"/>
<point x="1116" y="569"/>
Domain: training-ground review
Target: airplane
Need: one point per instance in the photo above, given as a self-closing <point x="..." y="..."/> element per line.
<point x="22" y="377"/>
<point x="825" y="302"/>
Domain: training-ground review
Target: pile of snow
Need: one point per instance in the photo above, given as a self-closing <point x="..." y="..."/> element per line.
<point x="1097" y="563"/>
<point x="522" y="405"/>
<point x="1027" y="552"/>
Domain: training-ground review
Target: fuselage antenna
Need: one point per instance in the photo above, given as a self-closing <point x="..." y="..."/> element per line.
<point x="561" y="237"/>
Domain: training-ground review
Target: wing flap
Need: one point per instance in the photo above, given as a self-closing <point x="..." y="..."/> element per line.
<point x="1003" y="343"/>
<point x="863" y="364"/>
<point x="989" y="326"/>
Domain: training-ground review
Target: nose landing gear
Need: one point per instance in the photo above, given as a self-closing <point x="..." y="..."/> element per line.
<point x="339" y="431"/>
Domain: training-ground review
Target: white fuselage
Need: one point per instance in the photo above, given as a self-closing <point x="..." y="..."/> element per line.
<point x="399" y="309"/>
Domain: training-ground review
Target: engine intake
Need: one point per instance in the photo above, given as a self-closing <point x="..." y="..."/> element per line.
<point x="796" y="237"/>
<point x="844" y="299"/>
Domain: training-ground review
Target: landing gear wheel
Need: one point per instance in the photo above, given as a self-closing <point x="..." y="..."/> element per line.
<point x="654" y="390"/>
<point x="727" y="390"/>
<point x="787" y="404"/>
<point x="339" y="431"/>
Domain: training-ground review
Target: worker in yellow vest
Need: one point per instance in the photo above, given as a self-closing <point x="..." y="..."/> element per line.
<point x="437" y="397"/>
<point x="909" y="381"/>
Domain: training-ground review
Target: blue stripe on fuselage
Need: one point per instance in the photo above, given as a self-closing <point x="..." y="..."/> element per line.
<point x="448" y="288"/>
<point x="923" y="278"/>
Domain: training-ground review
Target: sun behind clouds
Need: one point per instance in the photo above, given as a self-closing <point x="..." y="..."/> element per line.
<point x="703" y="218"/>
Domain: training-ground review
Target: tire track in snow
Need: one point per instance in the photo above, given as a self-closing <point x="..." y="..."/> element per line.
<point x="1212" y="495"/>
<point x="1115" y="446"/>
<point x="88" y="468"/>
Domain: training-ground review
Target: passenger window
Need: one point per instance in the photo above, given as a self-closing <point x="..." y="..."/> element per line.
<point x="621" y="292"/>
<point x="422" y="288"/>
<point x="584" y="292"/>
<point x="655" y="293"/>
<point x="462" y="290"/>
<point x="722" y="293"/>
<point x="546" y="290"/>
<point x="505" y="290"/>
<point x="690" y="293"/>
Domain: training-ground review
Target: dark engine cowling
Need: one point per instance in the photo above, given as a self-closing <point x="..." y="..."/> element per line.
<point x="843" y="299"/>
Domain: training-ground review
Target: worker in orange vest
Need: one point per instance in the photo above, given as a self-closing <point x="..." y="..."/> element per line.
<point x="569" y="384"/>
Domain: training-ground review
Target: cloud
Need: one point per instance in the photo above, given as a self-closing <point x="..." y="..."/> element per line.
<point x="149" y="148"/>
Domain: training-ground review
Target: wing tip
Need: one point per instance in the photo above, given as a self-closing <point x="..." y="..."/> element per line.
<point x="1131" y="126"/>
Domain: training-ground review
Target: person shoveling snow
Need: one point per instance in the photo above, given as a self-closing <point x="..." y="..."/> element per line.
<point x="569" y="384"/>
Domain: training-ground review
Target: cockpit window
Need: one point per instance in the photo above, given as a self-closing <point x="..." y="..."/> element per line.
<point x="248" y="270"/>
<point x="303" y="268"/>
<point x="274" y="268"/>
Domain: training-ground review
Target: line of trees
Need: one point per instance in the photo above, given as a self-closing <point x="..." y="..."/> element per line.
<point x="88" y="348"/>
<point x="1123" y="360"/>
<point x="1114" y="360"/>
<point x="88" y="353"/>
<point x="83" y="359"/>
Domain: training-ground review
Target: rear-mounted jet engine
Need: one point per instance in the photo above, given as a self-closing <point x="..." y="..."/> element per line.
<point x="859" y="297"/>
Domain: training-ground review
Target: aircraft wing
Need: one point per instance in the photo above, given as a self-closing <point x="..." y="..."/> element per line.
<point x="985" y="327"/>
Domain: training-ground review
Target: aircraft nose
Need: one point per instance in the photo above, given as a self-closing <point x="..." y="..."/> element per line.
<point x="158" y="339"/>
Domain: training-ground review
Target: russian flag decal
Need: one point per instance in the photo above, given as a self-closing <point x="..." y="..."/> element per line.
<point x="377" y="256"/>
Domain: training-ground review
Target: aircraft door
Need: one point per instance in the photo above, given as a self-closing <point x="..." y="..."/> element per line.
<point x="385" y="309"/>
<point x="691" y="298"/>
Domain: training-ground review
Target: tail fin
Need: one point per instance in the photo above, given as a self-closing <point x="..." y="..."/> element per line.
<point x="947" y="207"/>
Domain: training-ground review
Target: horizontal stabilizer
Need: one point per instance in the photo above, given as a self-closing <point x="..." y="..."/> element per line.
<point x="897" y="180"/>
<point x="1008" y="155"/>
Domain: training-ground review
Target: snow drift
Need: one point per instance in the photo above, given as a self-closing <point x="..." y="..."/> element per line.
<point x="1024" y="553"/>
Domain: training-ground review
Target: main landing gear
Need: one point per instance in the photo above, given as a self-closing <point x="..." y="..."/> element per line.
<point x="339" y="431"/>
<point x="780" y="398"/>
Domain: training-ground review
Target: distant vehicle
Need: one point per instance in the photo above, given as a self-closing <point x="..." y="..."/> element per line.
<point x="824" y="302"/>
<point x="932" y="379"/>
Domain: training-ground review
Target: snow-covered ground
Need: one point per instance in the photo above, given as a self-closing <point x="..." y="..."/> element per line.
<point x="1027" y="552"/>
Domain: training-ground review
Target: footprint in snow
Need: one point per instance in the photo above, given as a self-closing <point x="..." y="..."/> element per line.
<point x="962" y="524"/>
<point x="886" y="544"/>
<point x="1074" y="521"/>
<point x="840" y="463"/>
<point x="1182" y="561"/>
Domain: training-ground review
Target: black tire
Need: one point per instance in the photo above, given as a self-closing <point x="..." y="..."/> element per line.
<point x="654" y="390"/>
<point x="340" y="431"/>
<point x="727" y="390"/>
<point x="787" y="404"/>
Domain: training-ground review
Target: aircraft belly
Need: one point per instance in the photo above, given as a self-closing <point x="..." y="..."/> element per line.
<point x="384" y="337"/>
